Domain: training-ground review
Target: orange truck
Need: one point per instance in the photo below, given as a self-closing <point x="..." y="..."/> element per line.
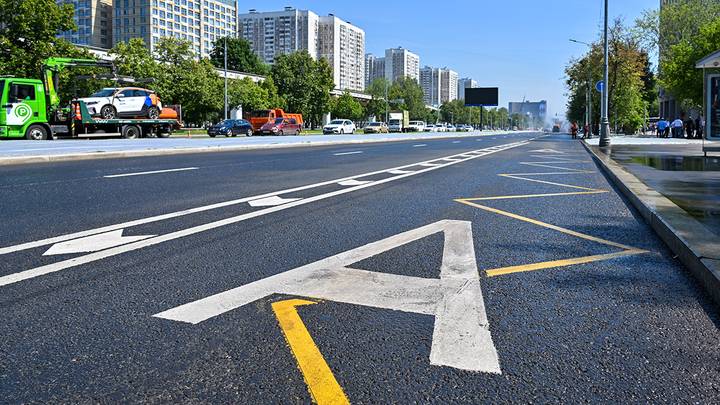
<point x="261" y="117"/>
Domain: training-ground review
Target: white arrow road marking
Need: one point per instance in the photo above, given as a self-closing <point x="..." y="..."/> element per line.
<point x="184" y="169"/>
<point x="114" y="251"/>
<point x="94" y="243"/>
<point x="353" y="183"/>
<point x="271" y="201"/>
<point x="461" y="336"/>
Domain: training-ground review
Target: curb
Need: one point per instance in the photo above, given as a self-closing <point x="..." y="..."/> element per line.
<point x="17" y="160"/>
<point x="695" y="246"/>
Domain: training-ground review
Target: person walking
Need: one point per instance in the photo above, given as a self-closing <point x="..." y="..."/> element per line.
<point x="699" y="127"/>
<point x="690" y="128"/>
<point x="661" y="127"/>
<point x="677" y="128"/>
<point x="574" y="130"/>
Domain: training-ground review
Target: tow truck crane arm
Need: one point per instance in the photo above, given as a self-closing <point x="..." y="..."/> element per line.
<point x="53" y="66"/>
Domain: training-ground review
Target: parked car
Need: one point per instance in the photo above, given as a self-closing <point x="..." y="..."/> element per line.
<point x="231" y="128"/>
<point x="376" y="128"/>
<point x="339" y="127"/>
<point x="110" y="103"/>
<point x="464" y="128"/>
<point x="416" y="126"/>
<point x="282" y="126"/>
<point x="451" y="128"/>
<point x="441" y="128"/>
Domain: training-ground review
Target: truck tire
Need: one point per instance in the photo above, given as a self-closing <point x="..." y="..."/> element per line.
<point x="161" y="134"/>
<point x="36" y="133"/>
<point x="131" y="132"/>
<point x="153" y="112"/>
<point x="108" y="112"/>
<point x="249" y="133"/>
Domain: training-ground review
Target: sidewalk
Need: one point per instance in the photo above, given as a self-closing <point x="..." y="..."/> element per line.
<point x="677" y="191"/>
<point x="21" y="151"/>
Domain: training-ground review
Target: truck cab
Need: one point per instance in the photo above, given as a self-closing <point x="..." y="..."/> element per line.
<point x="23" y="109"/>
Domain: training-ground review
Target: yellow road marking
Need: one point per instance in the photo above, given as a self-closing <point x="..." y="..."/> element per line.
<point x="514" y="197"/>
<point x="320" y="380"/>
<point x="560" y="263"/>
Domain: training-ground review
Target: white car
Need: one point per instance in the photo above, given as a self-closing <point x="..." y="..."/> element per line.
<point x="451" y="128"/>
<point x="110" y="103"/>
<point x="416" y="126"/>
<point x="441" y="127"/>
<point x="339" y="127"/>
<point x="430" y="128"/>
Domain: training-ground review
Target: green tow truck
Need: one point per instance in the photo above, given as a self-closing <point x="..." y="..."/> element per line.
<point x="30" y="109"/>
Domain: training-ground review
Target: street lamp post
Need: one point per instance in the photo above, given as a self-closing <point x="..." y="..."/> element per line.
<point x="605" y="123"/>
<point x="226" y="78"/>
<point x="588" y="93"/>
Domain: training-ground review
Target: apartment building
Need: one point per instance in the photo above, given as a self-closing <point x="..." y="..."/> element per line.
<point x="400" y="62"/>
<point x="374" y="68"/>
<point x="440" y="85"/>
<point x="94" y="23"/>
<point x="465" y="83"/>
<point x="276" y="33"/>
<point x="198" y="21"/>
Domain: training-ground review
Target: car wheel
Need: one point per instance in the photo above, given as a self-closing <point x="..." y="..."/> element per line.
<point x="229" y="133"/>
<point x="36" y="133"/>
<point x="211" y="135"/>
<point x="249" y="133"/>
<point x="130" y="132"/>
<point x="342" y="132"/>
<point x="281" y="133"/>
<point x="108" y="112"/>
<point x="153" y="112"/>
<point x="297" y="133"/>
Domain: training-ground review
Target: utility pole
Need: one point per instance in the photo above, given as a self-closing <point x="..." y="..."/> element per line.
<point x="604" y="122"/>
<point x="226" y="79"/>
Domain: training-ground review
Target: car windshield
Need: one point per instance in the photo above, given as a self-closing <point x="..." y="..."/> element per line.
<point x="227" y="123"/>
<point x="337" y="122"/>
<point x="104" y="93"/>
<point x="279" y="120"/>
<point x="375" y="124"/>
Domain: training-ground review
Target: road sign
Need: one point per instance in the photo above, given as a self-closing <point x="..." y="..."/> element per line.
<point x="600" y="86"/>
<point x="461" y="337"/>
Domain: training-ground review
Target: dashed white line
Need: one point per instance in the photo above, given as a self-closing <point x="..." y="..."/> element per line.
<point x="348" y="153"/>
<point x="422" y="145"/>
<point x="184" y="169"/>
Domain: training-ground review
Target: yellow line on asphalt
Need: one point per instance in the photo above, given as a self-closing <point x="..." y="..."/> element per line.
<point x="512" y="176"/>
<point x="560" y="263"/>
<point x="468" y="201"/>
<point x="320" y="380"/>
<point x="514" y="197"/>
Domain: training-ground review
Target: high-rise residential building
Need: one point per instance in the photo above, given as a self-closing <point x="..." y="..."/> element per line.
<point x="535" y="110"/>
<point x="439" y="85"/>
<point x="465" y="83"/>
<point x="400" y="62"/>
<point x="343" y="46"/>
<point x="276" y="33"/>
<point x="448" y="85"/>
<point x="374" y="68"/>
<point x="198" y="21"/>
<point x="94" y="23"/>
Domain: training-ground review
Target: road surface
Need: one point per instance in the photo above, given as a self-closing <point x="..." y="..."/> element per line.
<point x="482" y="270"/>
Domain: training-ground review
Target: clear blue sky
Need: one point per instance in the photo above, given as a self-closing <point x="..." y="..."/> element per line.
<point x="520" y="46"/>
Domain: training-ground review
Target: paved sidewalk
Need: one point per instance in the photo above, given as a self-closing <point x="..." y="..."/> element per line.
<point x="21" y="151"/>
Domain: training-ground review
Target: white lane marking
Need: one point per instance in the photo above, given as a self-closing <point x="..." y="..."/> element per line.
<point x="271" y="201"/>
<point x="400" y="171"/>
<point x="349" y="183"/>
<point x="348" y="153"/>
<point x="93" y="243"/>
<point x="430" y="164"/>
<point x="77" y="261"/>
<point x="456" y="141"/>
<point x="184" y="169"/>
<point x="461" y="335"/>
<point x="478" y="140"/>
<point x="422" y="145"/>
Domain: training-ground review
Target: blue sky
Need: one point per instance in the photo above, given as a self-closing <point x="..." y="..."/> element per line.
<point x="520" y="46"/>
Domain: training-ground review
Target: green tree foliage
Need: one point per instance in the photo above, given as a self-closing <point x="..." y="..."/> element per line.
<point x="377" y="105"/>
<point x="347" y="107"/>
<point x="241" y="58"/>
<point x="134" y="59"/>
<point x="28" y="35"/>
<point x="252" y="96"/>
<point x="411" y="93"/>
<point x="305" y="84"/>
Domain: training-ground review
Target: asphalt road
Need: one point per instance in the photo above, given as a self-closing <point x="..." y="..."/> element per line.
<point x="502" y="269"/>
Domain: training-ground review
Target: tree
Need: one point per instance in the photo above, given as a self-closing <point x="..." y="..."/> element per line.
<point x="134" y="59"/>
<point x="409" y="91"/>
<point x="304" y="83"/>
<point x="377" y="106"/>
<point x="252" y="96"/>
<point x="347" y="107"/>
<point x="241" y="57"/>
<point x="28" y="35"/>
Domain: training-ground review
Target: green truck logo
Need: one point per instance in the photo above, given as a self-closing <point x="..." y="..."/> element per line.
<point x="19" y="114"/>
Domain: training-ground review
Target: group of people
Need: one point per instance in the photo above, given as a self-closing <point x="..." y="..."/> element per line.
<point x="681" y="127"/>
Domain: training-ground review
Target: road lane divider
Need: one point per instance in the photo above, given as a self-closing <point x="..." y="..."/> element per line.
<point x="357" y="152"/>
<point x="182" y="169"/>
<point x="283" y="204"/>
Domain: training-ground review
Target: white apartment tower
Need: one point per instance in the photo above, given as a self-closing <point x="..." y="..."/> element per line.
<point x="94" y="23"/>
<point x="400" y="62"/>
<point x="276" y="33"/>
<point x="439" y="85"/>
<point x="198" y="21"/>
<point x="374" y="68"/>
<point x="465" y="83"/>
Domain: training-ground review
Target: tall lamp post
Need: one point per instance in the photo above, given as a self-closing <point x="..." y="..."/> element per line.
<point x="226" y="78"/>
<point x="588" y="92"/>
<point x="604" y="122"/>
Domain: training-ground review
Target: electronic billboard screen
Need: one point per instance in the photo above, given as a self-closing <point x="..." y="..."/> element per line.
<point x="481" y="97"/>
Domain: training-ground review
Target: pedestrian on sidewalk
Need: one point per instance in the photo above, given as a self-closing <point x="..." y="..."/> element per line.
<point x="690" y="128"/>
<point x="574" y="130"/>
<point x="699" y="127"/>
<point x="661" y="127"/>
<point x="677" y="128"/>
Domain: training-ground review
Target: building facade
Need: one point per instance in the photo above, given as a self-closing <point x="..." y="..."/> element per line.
<point x="448" y="85"/>
<point x="440" y="85"/>
<point x="465" y="83"/>
<point x="400" y="62"/>
<point x="198" y="21"/>
<point x="537" y="111"/>
<point x="276" y="33"/>
<point x="374" y="68"/>
<point x="94" y="23"/>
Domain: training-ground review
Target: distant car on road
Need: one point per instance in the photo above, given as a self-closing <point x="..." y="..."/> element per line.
<point x="339" y="127"/>
<point x="451" y="128"/>
<point x="282" y="126"/>
<point x="464" y="128"/>
<point x="430" y="128"/>
<point x="231" y="128"/>
<point x="376" y="128"/>
<point x="416" y="126"/>
<point x="556" y="128"/>
<point x="110" y="103"/>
